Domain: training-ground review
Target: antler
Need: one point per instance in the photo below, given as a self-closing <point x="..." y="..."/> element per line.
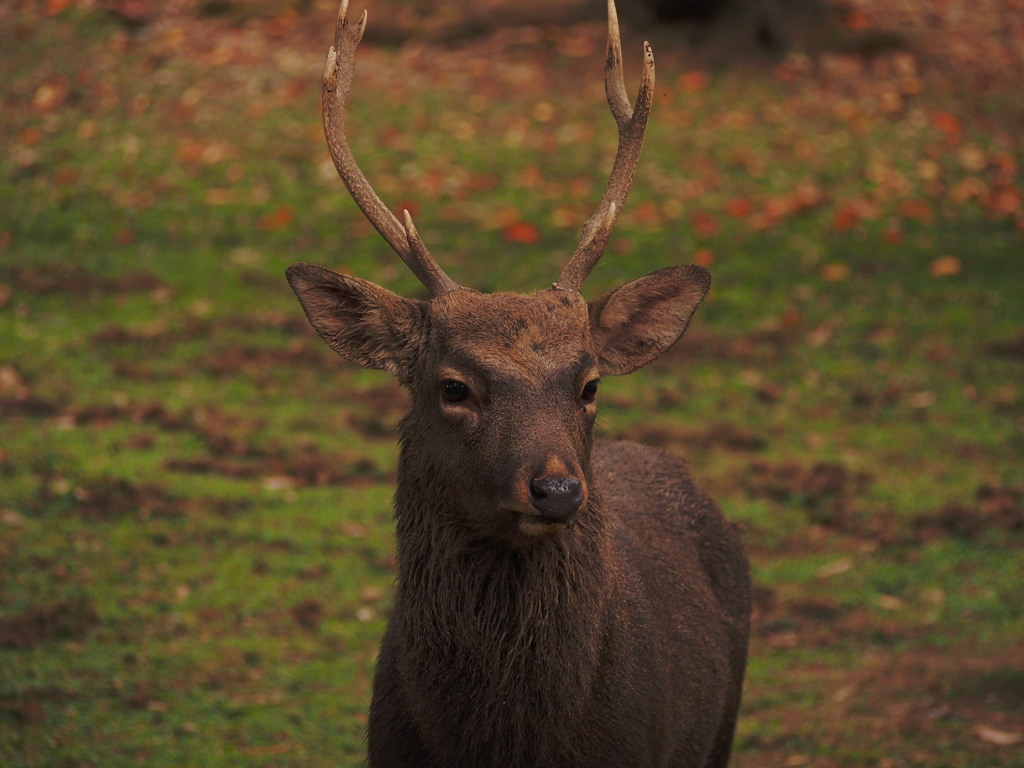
<point x="337" y="86"/>
<point x="631" y="123"/>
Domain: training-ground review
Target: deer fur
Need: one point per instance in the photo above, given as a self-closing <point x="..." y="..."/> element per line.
<point x="617" y="639"/>
<point x="560" y="601"/>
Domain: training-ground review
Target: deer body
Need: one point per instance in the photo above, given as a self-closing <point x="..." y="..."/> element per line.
<point x="559" y="602"/>
<point x="622" y="644"/>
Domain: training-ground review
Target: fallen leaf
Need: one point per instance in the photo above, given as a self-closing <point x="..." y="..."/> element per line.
<point x="946" y="123"/>
<point x="928" y="170"/>
<point x="845" y="218"/>
<point x="945" y="266"/>
<point x="54" y="7"/>
<point x="915" y="209"/>
<point x="892" y="235"/>
<point x="521" y="232"/>
<point x="52" y="94"/>
<point x="966" y="189"/>
<point x="278" y="219"/>
<point x="835" y="272"/>
<point x="693" y="81"/>
<point x="704" y="257"/>
<point x="890" y="603"/>
<point x="996" y="736"/>
<point x="739" y="207"/>
<point x="704" y="223"/>
<point x="1003" y="201"/>
<point x="972" y="158"/>
<point x="790" y="318"/>
<point x="856" y="20"/>
<point x="922" y="400"/>
<point x="835" y="568"/>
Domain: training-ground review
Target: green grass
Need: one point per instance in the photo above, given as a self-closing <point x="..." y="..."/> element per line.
<point x="195" y="525"/>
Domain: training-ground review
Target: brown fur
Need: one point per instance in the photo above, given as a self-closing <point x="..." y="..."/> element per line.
<point x="615" y="638"/>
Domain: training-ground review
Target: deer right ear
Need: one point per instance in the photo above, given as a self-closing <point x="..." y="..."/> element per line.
<point x="364" y="323"/>
<point x="636" y="322"/>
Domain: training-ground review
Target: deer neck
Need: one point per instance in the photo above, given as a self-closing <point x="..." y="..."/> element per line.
<point x="488" y="628"/>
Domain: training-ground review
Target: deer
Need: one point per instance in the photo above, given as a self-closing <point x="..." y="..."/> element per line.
<point x="559" y="600"/>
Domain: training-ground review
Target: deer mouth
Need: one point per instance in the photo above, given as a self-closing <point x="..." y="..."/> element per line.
<point x="534" y="525"/>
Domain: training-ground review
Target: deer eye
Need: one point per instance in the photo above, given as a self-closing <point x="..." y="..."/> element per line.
<point x="454" y="391"/>
<point x="589" y="391"/>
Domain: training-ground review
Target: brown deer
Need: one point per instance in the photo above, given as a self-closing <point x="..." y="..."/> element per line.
<point x="560" y="601"/>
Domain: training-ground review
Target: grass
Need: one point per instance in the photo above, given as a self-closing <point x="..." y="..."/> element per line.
<point x="195" y="533"/>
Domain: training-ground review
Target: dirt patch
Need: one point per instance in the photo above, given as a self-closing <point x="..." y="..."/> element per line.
<point x="29" y="406"/>
<point x="819" y="622"/>
<point x="828" y="491"/>
<point x="71" y="619"/>
<point x="68" y="279"/>
<point x="103" y="499"/>
<point x="308" y="614"/>
<point x="111" y="498"/>
<point x="24" y="711"/>
<point x="152" y="414"/>
<point x="257" y="361"/>
<point x="761" y="346"/>
<point x="999" y="509"/>
<point x="380" y="410"/>
<point x="1010" y="347"/>
<point x="287" y="469"/>
<point x="922" y="707"/>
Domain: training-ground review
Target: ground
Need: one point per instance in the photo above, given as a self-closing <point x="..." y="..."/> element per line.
<point x="195" y="530"/>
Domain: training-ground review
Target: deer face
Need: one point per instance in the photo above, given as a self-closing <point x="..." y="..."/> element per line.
<point x="506" y="392"/>
<point x="503" y="385"/>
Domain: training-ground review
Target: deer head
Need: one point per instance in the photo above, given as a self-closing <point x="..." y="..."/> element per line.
<point x="503" y="385"/>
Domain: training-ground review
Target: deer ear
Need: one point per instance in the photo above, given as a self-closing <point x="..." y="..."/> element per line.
<point x="364" y="323"/>
<point x="636" y="322"/>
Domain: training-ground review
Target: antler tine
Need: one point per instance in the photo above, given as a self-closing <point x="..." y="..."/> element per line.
<point x="631" y="124"/>
<point x="336" y="88"/>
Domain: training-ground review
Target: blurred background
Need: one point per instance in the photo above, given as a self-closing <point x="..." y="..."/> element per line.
<point x="195" y="525"/>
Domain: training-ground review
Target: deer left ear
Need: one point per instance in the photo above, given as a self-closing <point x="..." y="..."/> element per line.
<point x="635" y="323"/>
<point x="364" y="323"/>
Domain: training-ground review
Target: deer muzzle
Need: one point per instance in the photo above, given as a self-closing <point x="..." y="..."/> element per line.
<point x="556" y="498"/>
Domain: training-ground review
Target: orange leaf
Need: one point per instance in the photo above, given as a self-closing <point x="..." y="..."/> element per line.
<point x="945" y="266"/>
<point x="704" y="257"/>
<point x="739" y="207"/>
<point x="278" y="219"/>
<point x="1005" y="201"/>
<point x="704" y="223"/>
<point x="53" y="7"/>
<point x="915" y="209"/>
<point x="790" y="318"/>
<point x="693" y="81"/>
<point x="834" y="273"/>
<point x="30" y="136"/>
<point x="948" y="124"/>
<point x="845" y="218"/>
<point x="407" y="205"/>
<point x="856" y="20"/>
<point x="647" y="212"/>
<point x="65" y="176"/>
<point x="892" y="235"/>
<point x="521" y="232"/>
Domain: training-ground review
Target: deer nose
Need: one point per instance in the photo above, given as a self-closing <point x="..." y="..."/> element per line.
<point x="556" y="498"/>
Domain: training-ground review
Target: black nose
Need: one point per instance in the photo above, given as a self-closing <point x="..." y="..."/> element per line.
<point x="556" y="498"/>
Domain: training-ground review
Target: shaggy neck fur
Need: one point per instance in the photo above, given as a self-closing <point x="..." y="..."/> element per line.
<point x="503" y="641"/>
